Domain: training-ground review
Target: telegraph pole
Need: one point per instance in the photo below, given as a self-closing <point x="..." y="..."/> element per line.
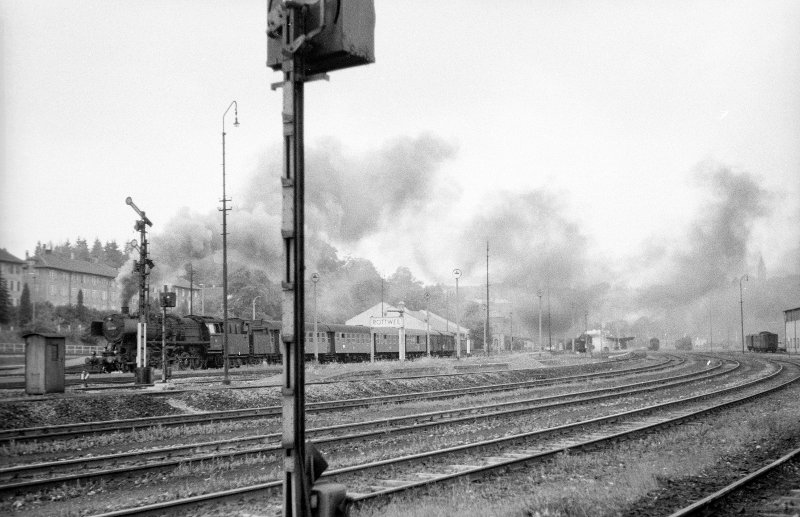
<point x="457" y="275"/>
<point x="487" y="332"/>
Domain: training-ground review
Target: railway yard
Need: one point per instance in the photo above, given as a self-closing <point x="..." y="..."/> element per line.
<point x="639" y="433"/>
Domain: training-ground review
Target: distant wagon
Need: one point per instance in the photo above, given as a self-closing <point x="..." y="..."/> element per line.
<point x="762" y="342"/>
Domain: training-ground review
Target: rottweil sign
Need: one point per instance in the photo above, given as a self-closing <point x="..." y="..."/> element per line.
<point x="385" y="322"/>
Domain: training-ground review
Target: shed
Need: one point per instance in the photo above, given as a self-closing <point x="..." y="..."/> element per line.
<point x="44" y="363"/>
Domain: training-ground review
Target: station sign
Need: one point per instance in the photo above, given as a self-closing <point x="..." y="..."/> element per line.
<point x="385" y="322"/>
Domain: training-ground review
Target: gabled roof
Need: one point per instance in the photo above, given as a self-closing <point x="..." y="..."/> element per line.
<point x="48" y="261"/>
<point x="5" y="256"/>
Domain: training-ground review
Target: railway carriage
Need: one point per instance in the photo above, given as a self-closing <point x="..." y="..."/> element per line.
<point x="762" y="342"/>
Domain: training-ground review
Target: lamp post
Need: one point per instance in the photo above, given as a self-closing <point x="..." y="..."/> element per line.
<point x="314" y="280"/>
<point x="511" y="330"/>
<point x="457" y="275"/>
<point x="741" y="307"/>
<point x="202" y="299"/>
<point x="225" y="379"/>
<point x="254" y="306"/>
<point x="427" y="324"/>
<point x="541" y="344"/>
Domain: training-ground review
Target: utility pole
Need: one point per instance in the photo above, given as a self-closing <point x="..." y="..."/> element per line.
<point x="487" y="330"/>
<point x="511" y="330"/>
<point x="457" y="275"/>
<point x="191" y="289"/>
<point x="314" y="280"/>
<point x="741" y="307"/>
<point x="225" y="209"/>
<point x="549" y="327"/>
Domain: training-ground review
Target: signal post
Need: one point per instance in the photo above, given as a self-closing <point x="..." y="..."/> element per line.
<point x="307" y="38"/>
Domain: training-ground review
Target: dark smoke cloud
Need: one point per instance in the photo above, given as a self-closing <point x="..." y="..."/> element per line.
<point x="716" y="247"/>
<point x="347" y="198"/>
<point x="350" y="197"/>
<point x="533" y="245"/>
<point x="531" y="241"/>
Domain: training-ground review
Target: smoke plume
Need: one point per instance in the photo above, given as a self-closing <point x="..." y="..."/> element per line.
<point x="716" y="246"/>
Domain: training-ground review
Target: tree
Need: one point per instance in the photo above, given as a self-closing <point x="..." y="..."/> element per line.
<point x="5" y="303"/>
<point x="114" y="256"/>
<point x="81" y="249"/>
<point x="403" y="287"/>
<point x="80" y="309"/>
<point x="25" y="313"/>
<point x="97" y="253"/>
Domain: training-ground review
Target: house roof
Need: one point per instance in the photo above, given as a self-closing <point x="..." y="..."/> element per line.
<point x="48" y="261"/>
<point x="5" y="256"/>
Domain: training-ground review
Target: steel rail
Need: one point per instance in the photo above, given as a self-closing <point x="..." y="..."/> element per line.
<point x="702" y="506"/>
<point x="380" y="427"/>
<point x="105" y="426"/>
<point x="506" y="462"/>
<point x="236" y="494"/>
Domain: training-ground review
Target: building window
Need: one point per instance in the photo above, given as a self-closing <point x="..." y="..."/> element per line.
<point x="52" y="275"/>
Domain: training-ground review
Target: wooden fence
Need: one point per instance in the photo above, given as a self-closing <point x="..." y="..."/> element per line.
<point x="19" y="349"/>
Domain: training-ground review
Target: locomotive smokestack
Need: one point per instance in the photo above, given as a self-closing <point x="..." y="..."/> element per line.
<point x="126" y="310"/>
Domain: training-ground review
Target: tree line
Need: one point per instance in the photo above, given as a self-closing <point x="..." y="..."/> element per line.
<point x="109" y="253"/>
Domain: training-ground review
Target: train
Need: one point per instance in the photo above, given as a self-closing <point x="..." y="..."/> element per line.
<point x="763" y="342"/>
<point x="196" y="342"/>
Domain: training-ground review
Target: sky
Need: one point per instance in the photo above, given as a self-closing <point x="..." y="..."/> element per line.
<point x="625" y="142"/>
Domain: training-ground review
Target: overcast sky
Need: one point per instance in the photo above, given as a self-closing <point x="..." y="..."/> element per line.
<point x="609" y="110"/>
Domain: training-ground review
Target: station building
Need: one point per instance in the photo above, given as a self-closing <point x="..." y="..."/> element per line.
<point x="417" y="320"/>
<point x="790" y="336"/>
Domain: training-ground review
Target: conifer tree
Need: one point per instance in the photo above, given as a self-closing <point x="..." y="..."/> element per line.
<point x="5" y="303"/>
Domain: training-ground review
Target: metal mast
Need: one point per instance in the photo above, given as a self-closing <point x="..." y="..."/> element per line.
<point x="292" y="231"/>
<point x="487" y="332"/>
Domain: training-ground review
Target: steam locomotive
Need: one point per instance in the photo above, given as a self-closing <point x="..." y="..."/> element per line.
<point x="196" y="342"/>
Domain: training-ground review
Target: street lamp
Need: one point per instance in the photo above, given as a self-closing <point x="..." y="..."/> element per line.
<point x="427" y="324"/>
<point x="741" y="307"/>
<point x="225" y="379"/>
<point x="457" y="275"/>
<point x="254" y="306"/>
<point x="314" y="280"/>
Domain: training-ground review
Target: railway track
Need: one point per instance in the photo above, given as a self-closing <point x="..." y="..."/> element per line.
<point x="368" y="482"/>
<point x="22" y="477"/>
<point x="206" y="377"/>
<point x="87" y="428"/>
